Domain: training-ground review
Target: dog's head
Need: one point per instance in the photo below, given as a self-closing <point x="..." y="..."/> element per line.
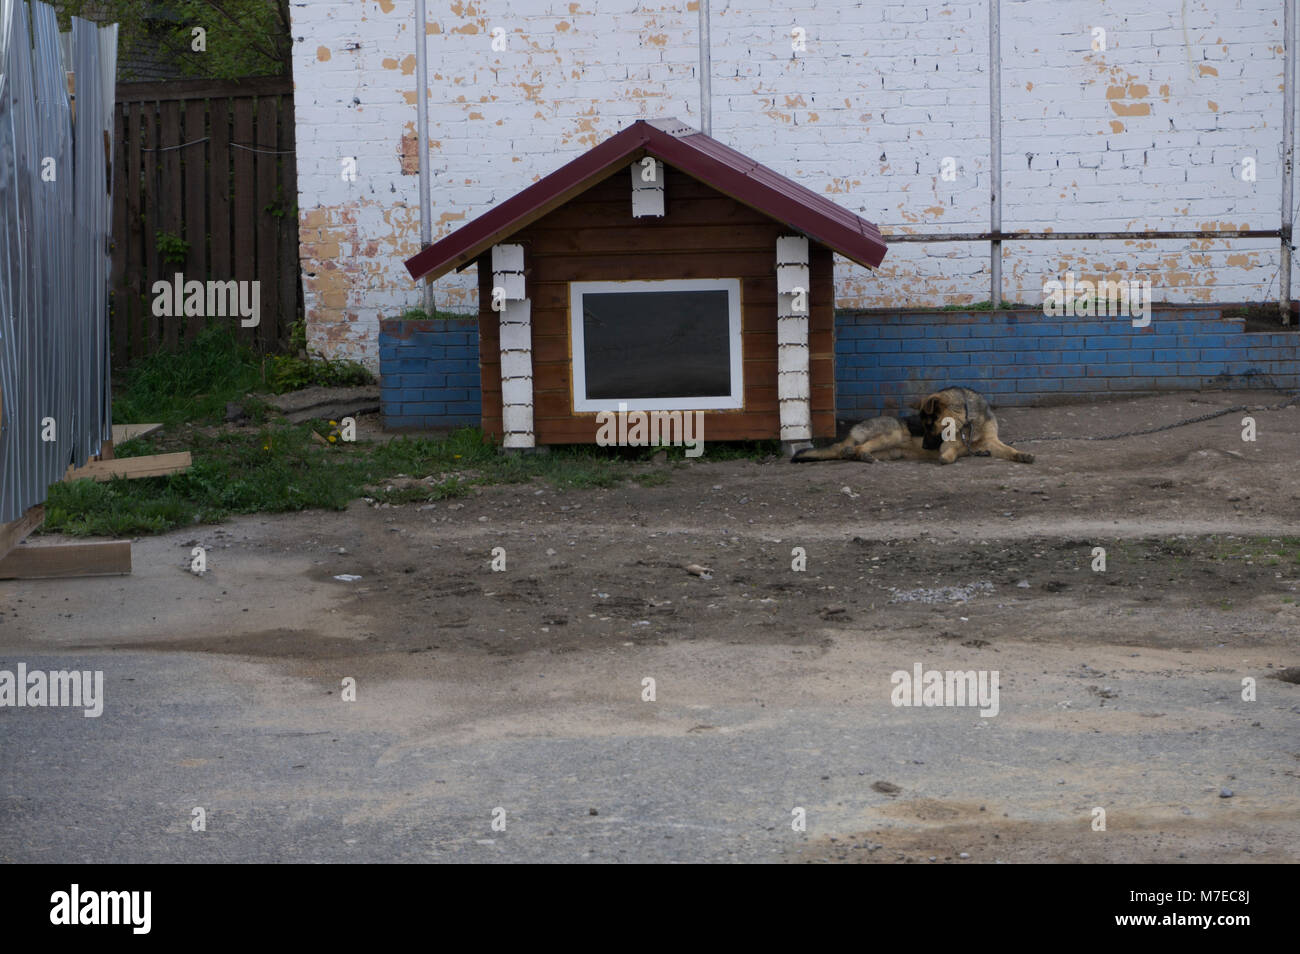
<point x="916" y="427"/>
<point x="933" y="412"/>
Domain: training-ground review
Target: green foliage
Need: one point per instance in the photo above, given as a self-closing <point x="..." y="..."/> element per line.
<point x="195" y="384"/>
<point x="987" y="305"/>
<point x="298" y="336"/>
<point x="280" y="206"/>
<point x="189" y="385"/>
<point x="241" y="37"/>
<point x="419" y="314"/>
<point x="292" y="373"/>
<point x="173" y="249"/>
<point x="279" y="468"/>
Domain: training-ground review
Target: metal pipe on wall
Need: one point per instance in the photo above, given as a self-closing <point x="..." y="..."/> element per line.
<point x="995" y="153"/>
<point x="1288" y="155"/>
<point x="706" y="70"/>
<point x="422" y="141"/>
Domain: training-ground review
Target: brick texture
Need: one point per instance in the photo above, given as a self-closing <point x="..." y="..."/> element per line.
<point x="883" y="360"/>
<point x="1153" y="131"/>
<point x="429" y="375"/>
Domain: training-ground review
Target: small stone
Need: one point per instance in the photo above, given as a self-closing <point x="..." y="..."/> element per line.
<point x="1225" y="793"/>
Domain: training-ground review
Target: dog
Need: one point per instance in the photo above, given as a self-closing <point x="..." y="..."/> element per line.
<point x="965" y="424"/>
<point x="887" y="438"/>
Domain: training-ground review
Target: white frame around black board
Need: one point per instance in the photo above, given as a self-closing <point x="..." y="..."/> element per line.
<point x="715" y="402"/>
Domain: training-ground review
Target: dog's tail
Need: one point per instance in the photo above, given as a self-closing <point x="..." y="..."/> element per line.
<point x="817" y="453"/>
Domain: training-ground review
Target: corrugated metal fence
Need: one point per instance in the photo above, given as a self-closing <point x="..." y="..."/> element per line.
<point x="55" y="215"/>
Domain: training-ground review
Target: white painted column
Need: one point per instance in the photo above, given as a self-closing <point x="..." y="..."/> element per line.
<point x="516" y="326"/>
<point x="792" y="351"/>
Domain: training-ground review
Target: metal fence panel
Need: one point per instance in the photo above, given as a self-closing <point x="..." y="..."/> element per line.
<point x="55" y="220"/>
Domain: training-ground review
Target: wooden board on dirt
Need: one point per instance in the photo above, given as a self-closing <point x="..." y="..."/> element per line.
<point x="68" y="559"/>
<point x="13" y="532"/>
<point x="155" y="465"/>
<point x="126" y="432"/>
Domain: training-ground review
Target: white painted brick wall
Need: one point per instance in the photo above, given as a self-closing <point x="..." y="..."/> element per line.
<point x="1149" y="133"/>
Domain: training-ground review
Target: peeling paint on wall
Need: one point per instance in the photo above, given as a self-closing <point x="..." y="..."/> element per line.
<point x="1147" y="133"/>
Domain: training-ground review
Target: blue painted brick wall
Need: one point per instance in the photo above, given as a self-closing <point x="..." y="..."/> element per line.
<point x="883" y="360"/>
<point x="428" y="374"/>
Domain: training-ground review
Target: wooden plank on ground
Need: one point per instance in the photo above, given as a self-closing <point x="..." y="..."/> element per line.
<point x="67" y="559"/>
<point x="155" y="465"/>
<point x="13" y="532"/>
<point x="126" y="432"/>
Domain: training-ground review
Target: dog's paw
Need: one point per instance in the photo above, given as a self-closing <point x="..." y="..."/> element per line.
<point x="1025" y="458"/>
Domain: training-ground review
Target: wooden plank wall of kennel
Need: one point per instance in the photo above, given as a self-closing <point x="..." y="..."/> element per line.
<point x="703" y="234"/>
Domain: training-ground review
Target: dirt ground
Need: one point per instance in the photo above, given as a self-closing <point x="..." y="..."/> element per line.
<point x="1120" y="689"/>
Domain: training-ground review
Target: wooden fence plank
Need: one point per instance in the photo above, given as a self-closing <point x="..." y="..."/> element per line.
<point x="204" y="88"/>
<point x="243" y="223"/>
<point x="194" y="157"/>
<point x="291" y="273"/>
<point x="132" y="243"/>
<point x="213" y="195"/>
<point x="170" y="202"/>
<point x="119" y="322"/>
<point x="268" y="223"/>
<point x="150" y="259"/>
<point x="219" y="194"/>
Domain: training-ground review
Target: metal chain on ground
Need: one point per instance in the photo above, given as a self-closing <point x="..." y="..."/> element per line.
<point x="1295" y="398"/>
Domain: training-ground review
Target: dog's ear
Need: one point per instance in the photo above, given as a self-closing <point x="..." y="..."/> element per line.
<point x="930" y="406"/>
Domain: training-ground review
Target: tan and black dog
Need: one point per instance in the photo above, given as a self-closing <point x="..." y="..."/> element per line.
<point x="886" y="437"/>
<point x="951" y="423"/>
<point x="965" y="424"/>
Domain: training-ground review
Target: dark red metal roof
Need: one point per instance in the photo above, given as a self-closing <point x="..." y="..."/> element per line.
<point x="685" y="149"/>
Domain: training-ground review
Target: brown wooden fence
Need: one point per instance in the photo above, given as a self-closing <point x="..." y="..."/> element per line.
<point x="204" y="184"/>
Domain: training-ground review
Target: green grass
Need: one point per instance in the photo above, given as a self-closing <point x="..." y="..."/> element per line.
<point x="1268" y="551"/>
<point x="194" y="384"/>
<point x="419" y="314"/>
<point x="278" y="468"/>
<point x="275" y="467"/>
